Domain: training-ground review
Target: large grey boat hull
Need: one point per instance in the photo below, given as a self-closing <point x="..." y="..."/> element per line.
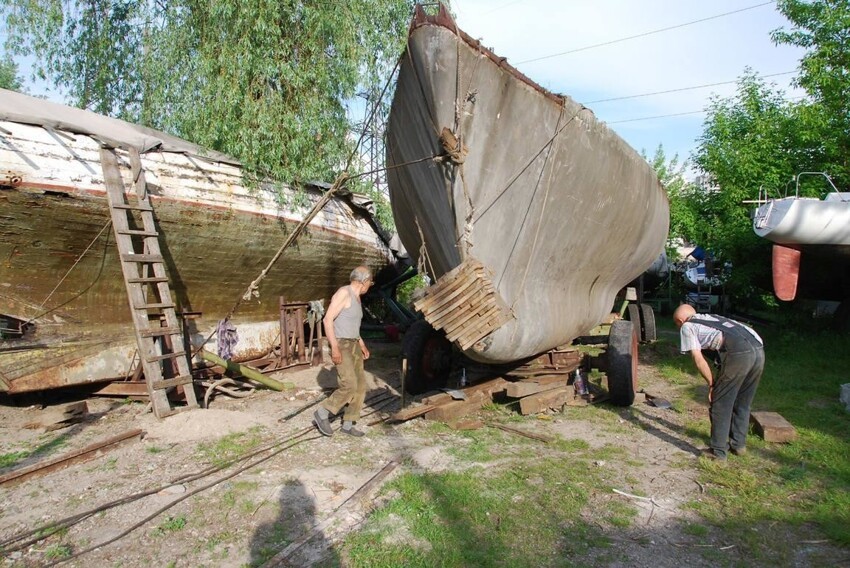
<point x="556" y="206"/>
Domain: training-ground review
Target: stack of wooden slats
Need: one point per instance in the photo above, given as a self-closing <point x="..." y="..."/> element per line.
<point x="464" y="303"/>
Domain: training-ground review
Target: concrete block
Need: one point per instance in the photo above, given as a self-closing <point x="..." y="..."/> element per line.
<point x="772" y="427"/>
<point x="845" y="396"/>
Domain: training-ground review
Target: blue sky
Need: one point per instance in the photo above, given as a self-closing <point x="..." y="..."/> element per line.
<point x="713" y="51"/>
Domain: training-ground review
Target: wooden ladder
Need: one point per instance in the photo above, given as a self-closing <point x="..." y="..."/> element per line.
<point x="160" y="346"/>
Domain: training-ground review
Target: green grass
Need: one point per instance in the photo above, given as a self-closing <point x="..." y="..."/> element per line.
<point x="519" y="512"/>
<point x="802" y="483"/>
<point x="57" y="552"/>
<point x="11" y="459"/>
<point x="231" y="446"/>
<point x="170" y="525"/>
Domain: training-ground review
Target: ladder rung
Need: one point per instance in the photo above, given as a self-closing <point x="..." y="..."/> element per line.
<point x="168" y="383"/>
<point x="159" y="331"/>
<point x="148" y="280"/>
<point x="139" y="207"/>
<point x="139" y="233"/>
<point x="142" y="258"/>
<point x="158" y="306"/>
<point x="156" y="358"/>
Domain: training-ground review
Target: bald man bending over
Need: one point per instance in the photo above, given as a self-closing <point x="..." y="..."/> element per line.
<point x="740" y="351"/>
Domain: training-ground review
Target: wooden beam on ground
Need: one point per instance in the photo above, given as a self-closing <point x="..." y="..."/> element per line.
<point x="512" y="430"/>
<point x="411" y="412"/>
<point x="472" y="424"/>
<point x="55" y="417"/>
<point x="452" y="411"/>
<point x="772" y="427"/>
<point x="124" y="388"/>
<point x="520" y="389"/>
<point x="555" y="399"/>
<point x="488" y="387"/>
<point x="84" y="454"/>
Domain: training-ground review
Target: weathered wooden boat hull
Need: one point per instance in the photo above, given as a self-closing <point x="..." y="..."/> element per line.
<point x="216" y="235"/>
<point x="558" y="208"/>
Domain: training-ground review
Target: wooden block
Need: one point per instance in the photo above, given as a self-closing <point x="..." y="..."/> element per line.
<point x="555" y="398"/>
<point x="469" y="424"/>
<point x="452" y="411"/>
<point x="411" y="412"/>
<point x="60" y="416"/>
<point x="772" y="427"/>
<point x="488" y="387"/>
<point x="525" y="388"/>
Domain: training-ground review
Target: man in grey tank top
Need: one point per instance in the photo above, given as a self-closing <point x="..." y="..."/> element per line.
<point x="348" y="351"/>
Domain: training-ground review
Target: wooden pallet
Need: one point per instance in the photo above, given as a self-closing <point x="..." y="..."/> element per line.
<point x="158" y="333"/>
<point x="465" y="304"/>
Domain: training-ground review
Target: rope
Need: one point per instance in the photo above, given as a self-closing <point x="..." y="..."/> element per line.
<point x="537" y="229"/>
<point x="423" y="252"/>
<point x="251" y="291"/>
<point x="526" y="166"/>
<point x="73" y="266"/>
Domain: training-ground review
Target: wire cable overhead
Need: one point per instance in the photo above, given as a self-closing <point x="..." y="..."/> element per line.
<point x="667" y="29"/>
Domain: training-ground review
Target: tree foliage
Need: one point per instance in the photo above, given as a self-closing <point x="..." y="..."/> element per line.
<point x="681" y="194"/>
<point x="262" y="80"/>
<point x="9" y="78"/>
<point x="751" y="143"/>
<point x="822" y="28"/>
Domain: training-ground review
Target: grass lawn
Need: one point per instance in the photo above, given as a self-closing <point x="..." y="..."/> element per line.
<point x="540" y="505"/>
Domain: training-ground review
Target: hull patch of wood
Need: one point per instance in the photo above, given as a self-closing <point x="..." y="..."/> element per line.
<point x="464" y="303"/>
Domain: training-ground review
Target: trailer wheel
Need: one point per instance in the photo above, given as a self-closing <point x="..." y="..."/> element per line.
<point x="633" y="311"/>
<point x="429" y="358"/>
<point x="622" y="356"/>
<point x="647" y="323"/>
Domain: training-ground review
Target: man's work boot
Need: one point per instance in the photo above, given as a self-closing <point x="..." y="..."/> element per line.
<point x="738" y="451"/>
<point x="322" y="423"/>
<point x="352" y="432"/>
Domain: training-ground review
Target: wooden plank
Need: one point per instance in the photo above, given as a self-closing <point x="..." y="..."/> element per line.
<point x="159" y="331"/>
<point x="546" y="379"/>
<point x="452" y="411"/>
<point x="142" y="258"/>
<point x="165" y="356"/>
<point x="526" y="388"/>
<point x="472" y="424"/>
<point x="411" y="412"/>
<point x="62" y="415"/>
<point x="84" y="454"/>
<point x="555" y="398"/>
<point x="123" y="388"/>
<point x="175" y="382"/>
<point x="772" y="427"/>
<point x="488" y="387"/>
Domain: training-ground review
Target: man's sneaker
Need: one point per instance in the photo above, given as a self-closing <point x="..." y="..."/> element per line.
<point x="738" y="451"/>
<point x="323" y="424"/>
<point x="352" y="432"/>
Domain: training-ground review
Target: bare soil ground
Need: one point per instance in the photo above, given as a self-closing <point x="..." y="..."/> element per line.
<point x="249" y="517"/>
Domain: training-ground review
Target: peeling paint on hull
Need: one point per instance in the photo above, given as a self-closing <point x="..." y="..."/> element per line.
<point x="216" y="236"/>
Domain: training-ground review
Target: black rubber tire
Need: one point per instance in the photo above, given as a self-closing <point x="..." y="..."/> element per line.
<point x="622" y="354"/>
<point x="429" y="358"/>
<point x="633" y="315"/>
<point x="647" y="324"/>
